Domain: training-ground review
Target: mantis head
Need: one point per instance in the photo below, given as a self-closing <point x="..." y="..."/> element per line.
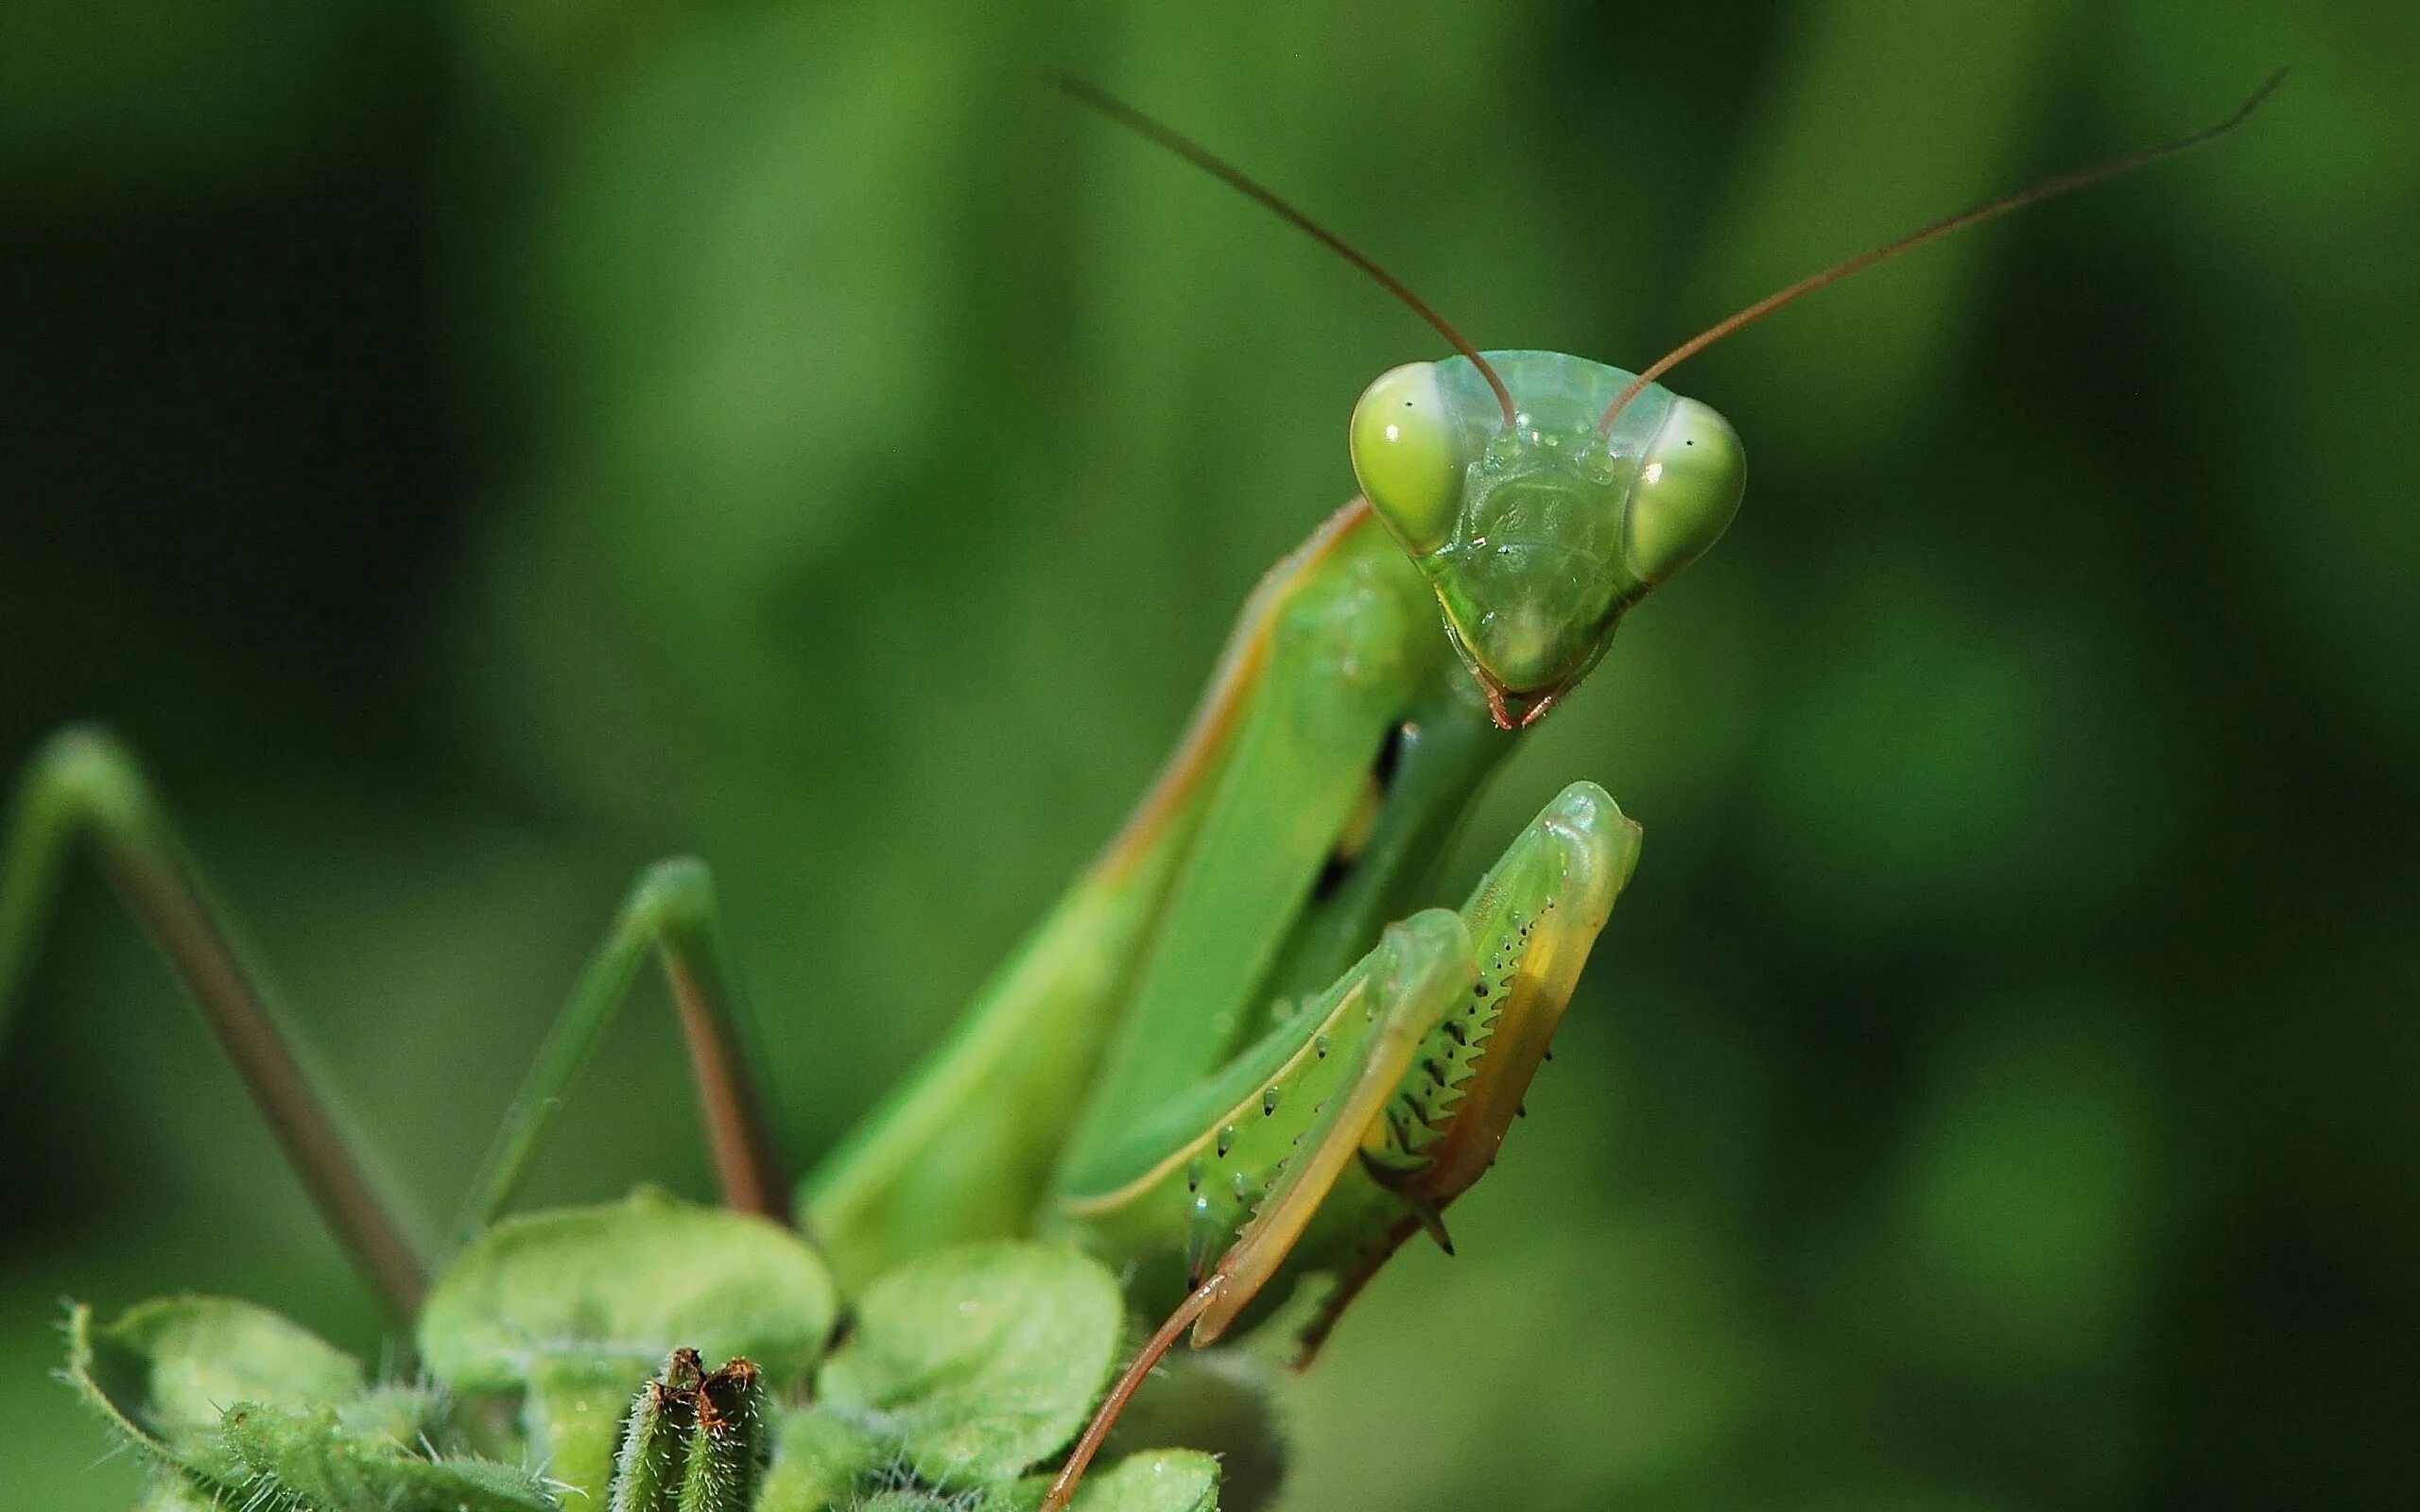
<point x="1544" y="494"/>
<point x="1539" y="531"/>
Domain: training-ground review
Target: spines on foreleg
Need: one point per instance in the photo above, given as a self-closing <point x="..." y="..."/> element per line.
<point x="1533" y="923"/>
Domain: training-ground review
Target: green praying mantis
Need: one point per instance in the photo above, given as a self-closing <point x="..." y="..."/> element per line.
<point x="1236" y="1062"/>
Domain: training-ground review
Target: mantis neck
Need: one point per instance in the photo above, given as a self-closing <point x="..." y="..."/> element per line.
<point x="1443" y="754"/>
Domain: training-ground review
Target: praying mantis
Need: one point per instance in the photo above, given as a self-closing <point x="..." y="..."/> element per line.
<point x="1236" y="1062"/>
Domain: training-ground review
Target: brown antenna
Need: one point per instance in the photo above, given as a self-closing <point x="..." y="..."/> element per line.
<point x="1209" y="161"/>
<point x="2048" y="189"/>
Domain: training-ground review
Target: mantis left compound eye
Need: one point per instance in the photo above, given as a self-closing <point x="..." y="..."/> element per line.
<point x="1690" y="479"/>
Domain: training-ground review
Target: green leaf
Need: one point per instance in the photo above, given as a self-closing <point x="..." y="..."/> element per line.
<point x="621" y="1287"/>
<point x="573" y="1418"/>
<point x="980" y="1360"/>
<point x="1169" y="1480"/>
<point x="1219" y="1401"/>
<point x="912" y="1498"/>
<point x="311" y="1459"/>
<point x="167" y="1371"/>
<point x="1160" y="1480"/>
<point x="818" y="1458"/>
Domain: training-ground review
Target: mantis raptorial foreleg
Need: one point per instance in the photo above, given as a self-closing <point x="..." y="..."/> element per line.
<point x="1194" y="1187"/>
<point x="1412" y="1066"/>
<point x="1357" y="1046"/>
<point x="1156" y="958"/>
<point x="83" y="783"/>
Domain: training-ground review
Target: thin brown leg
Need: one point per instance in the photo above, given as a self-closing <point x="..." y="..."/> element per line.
<point x="1063" y="1489"/>
<point x="84" y="783"/>
<point x="671" y="911"/>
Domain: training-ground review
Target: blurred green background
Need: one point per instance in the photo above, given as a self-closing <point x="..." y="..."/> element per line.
<point x="473" y="450"/>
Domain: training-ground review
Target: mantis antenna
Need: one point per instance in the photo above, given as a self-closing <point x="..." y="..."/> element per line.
<point x="2065" y="183"/>
<point x="1200" y="157"/>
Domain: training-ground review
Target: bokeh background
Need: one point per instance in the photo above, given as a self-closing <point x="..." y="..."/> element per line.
<point x="474" y="449"/>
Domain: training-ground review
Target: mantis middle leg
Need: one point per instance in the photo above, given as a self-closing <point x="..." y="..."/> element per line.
<point x="84" y="784"/>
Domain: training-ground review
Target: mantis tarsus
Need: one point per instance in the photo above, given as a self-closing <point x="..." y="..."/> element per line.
<point x="1232" y="1062"/>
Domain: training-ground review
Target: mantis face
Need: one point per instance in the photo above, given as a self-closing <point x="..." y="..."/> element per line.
<point x="1537" y="535"/>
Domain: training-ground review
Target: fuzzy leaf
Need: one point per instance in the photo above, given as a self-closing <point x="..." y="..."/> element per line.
<point x="980" y="1360"/>
<point x="913" y="1498"/>
<point x="1175" y="1480"/>
<point x="818" y="1458"/>
<point x="621" y="1287"/>
<point x="167" y="1371"/>
<point x="573" y="1418"/>
<point x="1168" y="1480"/>
<point x="311" y="1459"/>
<point x="1222" y="1403"/>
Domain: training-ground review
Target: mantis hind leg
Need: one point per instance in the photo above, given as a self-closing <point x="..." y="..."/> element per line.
<point x="83" y="783"/>
<point x="672" y="912"/>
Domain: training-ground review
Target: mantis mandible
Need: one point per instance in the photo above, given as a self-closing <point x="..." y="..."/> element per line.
<point x="1235" y="1060"/>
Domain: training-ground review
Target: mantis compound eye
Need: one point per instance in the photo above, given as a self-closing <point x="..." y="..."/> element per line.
<point x="1408" y="455"/>
<point x="1689" y="481"/>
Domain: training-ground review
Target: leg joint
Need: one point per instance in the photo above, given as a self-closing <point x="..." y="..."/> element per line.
<point x="674" y="893"/>
<point x="85" y="773"/>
